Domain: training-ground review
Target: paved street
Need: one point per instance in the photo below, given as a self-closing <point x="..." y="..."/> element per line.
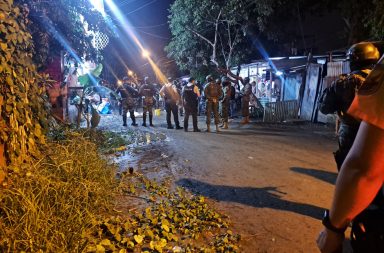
<point x="272" y="180"/>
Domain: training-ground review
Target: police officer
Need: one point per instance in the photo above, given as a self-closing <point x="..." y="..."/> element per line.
<point x="338" y="97"/>
<point x="246" y="97"/>
<point x="190" y="96"/>
<point x="213" y="93"/>
<point x="225" y="101"/>
<point x="128" y="95"/>
<point x="147" y="91"/>
<point x="172" y="99"/>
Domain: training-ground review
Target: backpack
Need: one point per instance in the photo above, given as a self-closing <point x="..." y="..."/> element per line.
<point x="233" y="93"/>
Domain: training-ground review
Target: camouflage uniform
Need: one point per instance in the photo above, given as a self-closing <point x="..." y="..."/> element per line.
<point x="127" y="94"/>
<point x="147" y="91"/>
<point x="225" y="103"/>
<point x="246" y="92"/>
<point x="213" y="93"/>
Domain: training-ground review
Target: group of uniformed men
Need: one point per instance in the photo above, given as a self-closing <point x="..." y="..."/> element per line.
<point x="359" y="195"/>
<point x="218" y="94"/>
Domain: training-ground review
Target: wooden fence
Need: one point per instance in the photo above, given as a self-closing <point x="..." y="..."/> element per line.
<point x="281" y="111"/>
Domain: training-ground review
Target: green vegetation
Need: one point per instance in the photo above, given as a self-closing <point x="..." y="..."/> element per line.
<point x="23" y="114"/>
<point x="48" y="204"/>
<point x="171" y="221"/>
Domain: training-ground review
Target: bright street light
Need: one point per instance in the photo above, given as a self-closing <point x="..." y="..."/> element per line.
<point x="146" y="54"/>
<point x="130" y="72"/>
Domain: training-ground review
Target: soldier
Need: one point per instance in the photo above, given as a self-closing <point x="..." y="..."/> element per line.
<point x="213" y="93"/>
<point x="171" y="97"/>
<point x="128" y="94"/>
<point x="338" y="97"/>
<point x="225" y="101"/>
<point x="359" y="191"/>
<point x="246" y="92"/>
<point x="191" y="95"/>
<point x="148" y="92"/>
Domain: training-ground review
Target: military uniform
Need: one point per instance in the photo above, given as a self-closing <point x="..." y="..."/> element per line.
<point x="128" y="95"/>
<point x="148" y="92"/>
<point x="213" y="93"/>
<point x="338" y="98"/>
<point x="246" y="97"/>
<point x="367" y="234"/>
<point x="225" y="102"/>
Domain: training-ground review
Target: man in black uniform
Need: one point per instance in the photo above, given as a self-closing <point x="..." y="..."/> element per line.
<point x="127" y="94"/>
<point x="339" y="96"/>
<point x="190" y="96"/>
<point x="147" y="91"/>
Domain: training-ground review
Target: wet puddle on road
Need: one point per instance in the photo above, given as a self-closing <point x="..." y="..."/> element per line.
<point x="143" y="152"/>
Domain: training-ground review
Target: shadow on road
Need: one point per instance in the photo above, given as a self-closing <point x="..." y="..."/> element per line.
<point x="266" y="197"/>
<point x="329" y="177"/>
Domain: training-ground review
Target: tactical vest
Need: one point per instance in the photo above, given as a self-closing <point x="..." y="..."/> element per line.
<point x="190" y="96"/>
<point x="147" y="91"/>
<point x="212" y="91"/>
<point x="124" y="91"/>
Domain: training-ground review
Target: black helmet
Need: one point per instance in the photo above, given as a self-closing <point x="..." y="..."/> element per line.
<point x="362" y="54"/>
<point x="246" y="79"/>
<point x="218" y="80"/>
<point x="209" y="78"/>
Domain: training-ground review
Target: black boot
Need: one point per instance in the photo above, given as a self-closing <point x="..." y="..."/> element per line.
<point x="150" y="120"/>
<point x="124" y="119"/>
<point x="144" y="120"/>
<point x="133" y="119"/>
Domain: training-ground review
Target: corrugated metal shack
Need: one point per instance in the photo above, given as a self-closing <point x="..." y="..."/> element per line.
<point x="294" y="84"/>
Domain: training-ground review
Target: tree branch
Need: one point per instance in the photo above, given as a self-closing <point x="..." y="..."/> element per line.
<point x="215" y="43"/>
<point x="200" y="36"/>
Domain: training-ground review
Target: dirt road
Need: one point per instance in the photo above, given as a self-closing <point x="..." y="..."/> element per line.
<point x="273" y="181"/>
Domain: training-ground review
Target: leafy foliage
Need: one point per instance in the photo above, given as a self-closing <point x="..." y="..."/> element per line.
<point x="276" y="23"/>
<point x="174" y="221"/>
<point x="23" y="119"/>
<point x="208" y="31"/>
<point x="56" y="23"/>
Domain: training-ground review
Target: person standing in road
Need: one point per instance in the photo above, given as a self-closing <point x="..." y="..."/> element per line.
<point x="225" y="101"/>
<point x="246" y="92"/>
<point x="338" y="97"/>
<point x="172" y="99"/>
<point x="147" y="91"/>
<point x="213" y="93"/>
<point x="359" y="192"/>
<point x="128" y="95"/>
<point x="190" y="96"/>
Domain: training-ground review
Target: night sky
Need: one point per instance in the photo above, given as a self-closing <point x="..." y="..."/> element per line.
<point x="149" y="19"/>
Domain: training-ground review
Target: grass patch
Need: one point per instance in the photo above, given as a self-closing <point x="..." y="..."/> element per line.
<point x="68" y="201"/>
<point x="49" y="206"/>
